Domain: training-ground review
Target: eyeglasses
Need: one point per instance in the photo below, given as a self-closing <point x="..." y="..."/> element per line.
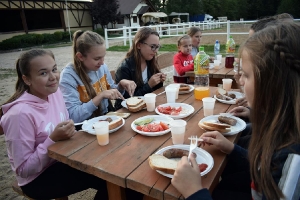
<point x="153" y="46"/>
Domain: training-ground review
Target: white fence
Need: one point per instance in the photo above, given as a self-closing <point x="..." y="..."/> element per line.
<point x="167" y="30"/>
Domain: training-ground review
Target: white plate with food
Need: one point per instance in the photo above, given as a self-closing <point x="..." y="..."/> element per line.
<point x="115" y="123"/>
<point x="229" y="98"/>
<point x="175" y="110"/>
<point x="152" y="125"/>
<point x="185" y="88"/>
<point x="224" y="123"/>
<point x="172" y="154"/>
<point x="135" y="103"/>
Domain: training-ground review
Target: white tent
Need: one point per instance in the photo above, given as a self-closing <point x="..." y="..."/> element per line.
<point x="155" y="14"/>
<point x="179" y="14"/>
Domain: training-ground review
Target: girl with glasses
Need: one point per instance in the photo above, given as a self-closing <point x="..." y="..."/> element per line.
<point x="140" y="64"/>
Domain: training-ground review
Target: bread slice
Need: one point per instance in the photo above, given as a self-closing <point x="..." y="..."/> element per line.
<point x="137" y="108"/>
<point x="160" y="162"/>
<point x="221" y="91"/>
<point x="134" y="101"/>
<point x="184" y="87"/>
<point x="210" y="128"/>
<point x="115" y="123"/>
<point x="217" y="125"/>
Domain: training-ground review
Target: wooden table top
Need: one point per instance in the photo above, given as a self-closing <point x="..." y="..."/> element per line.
<point x="221" y="72"/>
<point x="123" y="162"/>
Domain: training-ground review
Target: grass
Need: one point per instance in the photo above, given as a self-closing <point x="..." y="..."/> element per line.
<point x="7" y="73"/>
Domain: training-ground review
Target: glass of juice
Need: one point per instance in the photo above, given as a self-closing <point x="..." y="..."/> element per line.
<point x="201" y="92"/>
<point x="102" y="132"/>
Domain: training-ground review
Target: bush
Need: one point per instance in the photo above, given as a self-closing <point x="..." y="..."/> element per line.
<point x="58" y="35"/>
<point x="12" y="43"/>
<point x="48" y="38"/>
<point x="66" y="35"/>
<point x="100" y="31"/>
<point x="39" y="38"/>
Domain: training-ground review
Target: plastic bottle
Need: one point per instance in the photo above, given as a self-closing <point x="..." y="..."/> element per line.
<point x="201" y="70"/>
<point x="217" y="49"/>
<point x="230" y="50"/>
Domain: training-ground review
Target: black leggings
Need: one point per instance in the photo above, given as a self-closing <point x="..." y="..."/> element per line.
<point x="60" y="180"/>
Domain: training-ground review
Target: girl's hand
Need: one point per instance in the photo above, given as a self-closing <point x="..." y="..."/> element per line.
<point x="63" y="131"/>
<point x="240" y="111"/>
<point x="163" y="77"/>
<point x="242" y="101"/>
<point x="237" y="77"/>
<point x="128" y="85"/>
<point x="111" y="94"/>
<point x="217" y="139"/>
<point x="155" y="79"/>
<point x="187" y="179"/>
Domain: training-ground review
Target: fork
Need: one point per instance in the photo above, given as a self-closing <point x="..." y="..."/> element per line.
<point x="193" y="145"/>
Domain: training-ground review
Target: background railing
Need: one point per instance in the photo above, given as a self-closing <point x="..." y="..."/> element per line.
<point x="169" y="30"/>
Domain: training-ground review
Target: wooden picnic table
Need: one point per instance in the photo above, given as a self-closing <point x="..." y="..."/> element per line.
<point x="123" y="162"/>
<point x="216" y="75"/>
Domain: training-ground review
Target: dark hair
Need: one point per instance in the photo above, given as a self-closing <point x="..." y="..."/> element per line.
<point x="181" y="38"/>
<point x="140" y="37"/>
<point x="267" y="21"/>
<point x="83" y="41"/>
<point x="193" y="30"/>
<point x="23" y="68"/>
<point x="275" y="114"/>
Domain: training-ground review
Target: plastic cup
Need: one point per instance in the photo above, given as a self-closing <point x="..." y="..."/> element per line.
<point x="219" y="58"/>
<point x="227" y="82"/>
<point x="178" y="131"/>
<point x="208" y="105"/>
<point x="102" y="132"/>
<point x="171" y="94"/>
<point x="217" y="64"/>
<point x="150" y="100"/>
<point x="177" y="86"/>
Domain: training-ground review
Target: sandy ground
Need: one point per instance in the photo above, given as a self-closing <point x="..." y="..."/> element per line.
<point x="63" y="55"/>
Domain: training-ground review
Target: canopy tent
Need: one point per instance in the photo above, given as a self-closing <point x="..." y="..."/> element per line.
<point x="155" y="14"/>
<point x="175" y="14"/>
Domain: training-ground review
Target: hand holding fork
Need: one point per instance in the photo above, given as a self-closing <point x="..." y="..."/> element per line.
<point x="193" y="145"/>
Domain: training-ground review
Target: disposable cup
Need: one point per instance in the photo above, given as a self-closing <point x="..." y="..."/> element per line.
<point x="178" y="131"/>
<point x="208" y="105"/>
<point x="171" y="94"/>
<point x="177" y="86"/>
<point x="219" y="58"/>
<point x="102" y="132"/>
<point x="150" y="100"/>
<point x="217" y="64"/>
<point x="227" y="82"/>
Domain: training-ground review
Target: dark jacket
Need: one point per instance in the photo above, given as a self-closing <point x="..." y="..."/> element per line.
<point x="127" y="71"/>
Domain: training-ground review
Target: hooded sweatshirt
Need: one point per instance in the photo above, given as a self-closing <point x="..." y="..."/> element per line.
<point x="27" y="123"/>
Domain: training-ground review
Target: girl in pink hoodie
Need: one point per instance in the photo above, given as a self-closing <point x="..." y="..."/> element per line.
<point x="34" y="118"/>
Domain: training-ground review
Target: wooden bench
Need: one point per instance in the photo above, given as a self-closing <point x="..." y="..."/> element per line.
<point x="18" y="190"/>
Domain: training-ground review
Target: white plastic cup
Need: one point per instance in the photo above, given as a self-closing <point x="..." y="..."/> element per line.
<point x="219" y="58"/>
<point x="102" y="132"/>
<point x="178" y="131"/>
<point x="171" y="94"/>
<point x="217" y="64"/>
<point x="177" y="86"/>
<point x="150" y="100"/>
<point x="227" y="82"/>
<point x="208" y="106"/>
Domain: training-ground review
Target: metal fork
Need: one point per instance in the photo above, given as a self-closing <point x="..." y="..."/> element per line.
<point x="193" y="145"/>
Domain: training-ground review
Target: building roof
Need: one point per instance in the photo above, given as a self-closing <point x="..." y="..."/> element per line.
<point x="127" y="6"/>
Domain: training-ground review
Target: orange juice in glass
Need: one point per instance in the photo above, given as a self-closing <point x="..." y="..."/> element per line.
<point x="102" y="132"/>
<point x="201" y="92"/>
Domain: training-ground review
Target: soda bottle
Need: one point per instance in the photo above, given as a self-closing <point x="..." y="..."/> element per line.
<point x="230" y="50"/>
<point x="217" y="49"/>
<point x="201" y="70"/>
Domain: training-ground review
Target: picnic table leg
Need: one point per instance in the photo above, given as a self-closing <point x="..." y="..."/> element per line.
<point x="115" y="192"/>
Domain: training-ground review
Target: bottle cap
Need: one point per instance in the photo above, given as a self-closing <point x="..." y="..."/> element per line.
<point x="217" y="41"/>
<point x="201" y="48"/>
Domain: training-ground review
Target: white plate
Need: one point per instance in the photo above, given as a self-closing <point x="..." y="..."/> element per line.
<point x="238" y="95"/>
<point x="240" y="124"/>
<point x="202" y="157"/>
<point x="157" y="119"/>
<point x="190" y="90"/>
<point x="88" y="125"/>
<point x="123" y="103"/>
<point x="186" y="110"/>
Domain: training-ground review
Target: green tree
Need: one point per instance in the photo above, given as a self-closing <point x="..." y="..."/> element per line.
<point x="104" y="11"/>
<point x="290" y="6"/>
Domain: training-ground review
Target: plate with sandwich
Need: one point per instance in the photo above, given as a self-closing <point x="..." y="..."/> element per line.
<point x="175" y="110"/>
<point x="134" y="104"/>
<point x="152" y="125"/>
<point x="229" y="97"/>
<point x="115" y="123"/>
<point x="224" y="123"/>
<point x="185" y="88"/>
<point x="165" y="160"/>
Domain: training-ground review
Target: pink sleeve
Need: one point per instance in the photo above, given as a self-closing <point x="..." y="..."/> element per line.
<point x="178" y="65"/>
<point x="29" y="156"/>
